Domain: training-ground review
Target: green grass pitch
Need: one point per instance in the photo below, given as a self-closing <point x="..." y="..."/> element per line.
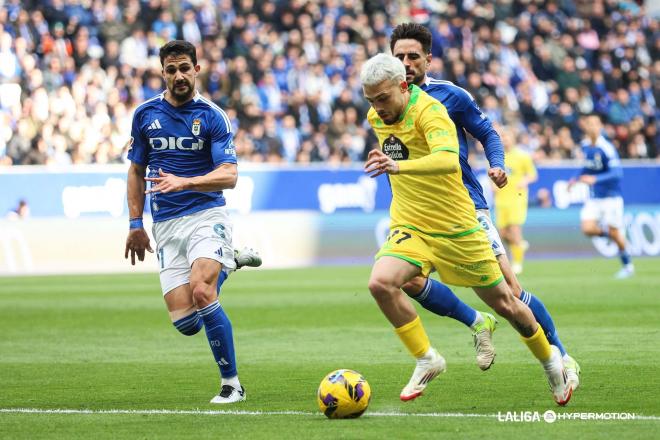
<point x="103" y="343"/>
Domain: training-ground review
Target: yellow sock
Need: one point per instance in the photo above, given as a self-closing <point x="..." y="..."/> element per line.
<point x="517" y="253"/>
<point x="414" y="337"/>
<point x="538" y="344"/>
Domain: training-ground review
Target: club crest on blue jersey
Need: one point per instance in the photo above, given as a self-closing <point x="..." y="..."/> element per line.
<point x="196" y="126"/>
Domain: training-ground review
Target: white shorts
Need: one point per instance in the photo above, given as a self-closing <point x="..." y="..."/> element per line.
<point x="608" y="210"/>
<point x="483" y="216"/>
<point x="182" y="240"/>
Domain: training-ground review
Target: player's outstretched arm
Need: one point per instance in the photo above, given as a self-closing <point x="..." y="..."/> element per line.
<point x="223" y="177"/>
<point x="137" y="241"/>
<point x="614" y="173"/>
<point x="480" y="127"/>
<point x="530" y="173"/>
<point x="440" y="162"/>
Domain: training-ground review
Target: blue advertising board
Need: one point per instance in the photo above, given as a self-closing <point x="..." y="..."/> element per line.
<point x="101" y="191"/>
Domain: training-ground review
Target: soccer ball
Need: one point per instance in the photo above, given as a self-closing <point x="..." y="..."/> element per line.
<point x="344" y="394"/>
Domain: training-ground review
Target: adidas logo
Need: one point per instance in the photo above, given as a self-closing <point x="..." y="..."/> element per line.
<point x="154" y="125"/>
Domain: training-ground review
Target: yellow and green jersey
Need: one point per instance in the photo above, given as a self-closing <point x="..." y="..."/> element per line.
<point x="519" y="167"/>
<point x="433" y="204"/>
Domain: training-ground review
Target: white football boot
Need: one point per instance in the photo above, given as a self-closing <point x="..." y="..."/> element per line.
<point x="557" y="377"/>
<point x="483" y="341"/>
<point x="428" y="367"/>
<point x="572" y="371"/>
<point x="229" y="394"/>
<point x="247" y="257"/>
<point x="626" y="272"/>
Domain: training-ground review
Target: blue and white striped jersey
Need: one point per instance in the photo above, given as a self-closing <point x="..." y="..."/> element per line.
<point x="466" y="115"/>
<point x="189" y="140"/>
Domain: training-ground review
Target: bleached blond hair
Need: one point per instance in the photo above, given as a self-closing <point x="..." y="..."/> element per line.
<point x="382" y="67"/>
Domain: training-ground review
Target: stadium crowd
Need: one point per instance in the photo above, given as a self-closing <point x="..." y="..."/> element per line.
<point x="72" y="71"/>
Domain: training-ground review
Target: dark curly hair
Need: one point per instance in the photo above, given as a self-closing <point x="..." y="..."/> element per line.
<point x="412" y="31"/>
<point x="178" y="47"/>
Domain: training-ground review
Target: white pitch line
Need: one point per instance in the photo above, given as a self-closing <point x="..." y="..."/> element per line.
<point x="251" y="413"/>
<point x="219" y="412"/>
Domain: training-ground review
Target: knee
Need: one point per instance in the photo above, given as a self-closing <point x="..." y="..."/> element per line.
<point x="203" y="293"/>
<point x="504" y="306"/>
<point x="381" y="288"/>
<point x="588" y="228"/>
<point x="415" y="286"/>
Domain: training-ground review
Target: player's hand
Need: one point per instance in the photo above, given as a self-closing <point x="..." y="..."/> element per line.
<point x="498" y="176"/>
<point x="137" y="242"/>
<point x="165" y="183"/>
<point x="379" y="163"/>
<point x="588" y="179"/>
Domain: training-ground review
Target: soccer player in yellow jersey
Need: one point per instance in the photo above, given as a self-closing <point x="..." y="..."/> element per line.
<point x="511" y="200"/>
<point x="433" y="223"/>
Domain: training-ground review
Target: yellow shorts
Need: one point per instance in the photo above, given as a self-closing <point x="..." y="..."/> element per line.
<point x="510" y="214"/>
<point x="466" y="260"/>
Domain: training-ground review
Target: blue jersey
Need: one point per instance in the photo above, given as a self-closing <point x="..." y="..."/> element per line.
<point x="189" y="140"/>
<point x="602" y="161"/>
<point x="467" y="116"/>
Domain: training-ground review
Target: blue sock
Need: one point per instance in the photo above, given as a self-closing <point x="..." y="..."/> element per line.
<point x="625" y="257"/>
<point x="605" y="231"/>
<point x="190" y="325"/>
<point x="219" y="334"/>
<point x="439" y="299"/>
<point x="221" y="279"/>
<point x="543" y="318"/>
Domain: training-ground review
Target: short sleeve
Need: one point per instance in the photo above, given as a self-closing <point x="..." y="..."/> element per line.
<point x="138" y="147"/>
<point x="222" y="139"/>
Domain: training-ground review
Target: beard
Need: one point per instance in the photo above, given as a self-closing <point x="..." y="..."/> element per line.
<point x="413" y="78"/>
<point x="182" y="94"/>
<point x="389" y="119"/>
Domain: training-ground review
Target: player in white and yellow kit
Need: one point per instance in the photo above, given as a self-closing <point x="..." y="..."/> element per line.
<point x="433" y="223"/>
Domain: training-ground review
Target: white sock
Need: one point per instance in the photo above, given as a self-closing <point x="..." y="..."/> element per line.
<point x="232" y="381"/>
<point x="478" y="320"/>
<point x="556" y="355"/>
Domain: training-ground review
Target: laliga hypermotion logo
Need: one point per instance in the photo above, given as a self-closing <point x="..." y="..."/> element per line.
<point x="551" y="416"/>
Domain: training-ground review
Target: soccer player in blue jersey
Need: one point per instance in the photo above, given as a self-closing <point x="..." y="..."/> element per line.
<point x="602" y="214"/>
<point x="411" y="43"/>
<point x="186" y="142"/>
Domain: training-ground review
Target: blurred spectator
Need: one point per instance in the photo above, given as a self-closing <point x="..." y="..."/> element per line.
<point x="543" y="198"/>
<point x="72" y="72"/>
